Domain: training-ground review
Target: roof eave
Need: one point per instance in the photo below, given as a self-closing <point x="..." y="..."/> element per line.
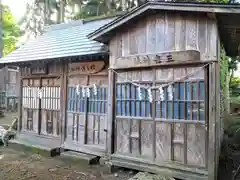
<point x="168" y="6"/>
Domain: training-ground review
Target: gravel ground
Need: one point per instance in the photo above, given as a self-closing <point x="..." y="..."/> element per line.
<point x="27" y="166"/>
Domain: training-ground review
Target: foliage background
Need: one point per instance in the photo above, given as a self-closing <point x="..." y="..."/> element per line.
<point x="11" y="31"/>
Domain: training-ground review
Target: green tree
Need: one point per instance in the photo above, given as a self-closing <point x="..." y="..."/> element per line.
<point x="11" y="31"/>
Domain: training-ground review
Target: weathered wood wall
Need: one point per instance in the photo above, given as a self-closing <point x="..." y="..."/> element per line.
<point x="86" y="116"/>
<point x="180" y="135"/>
<point x="166" y="32"/>
<point x="171" y="130"/>
<point x="41" y="116"/>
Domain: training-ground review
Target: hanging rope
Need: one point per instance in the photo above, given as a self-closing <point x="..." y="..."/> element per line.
<point x="164" y="85"/>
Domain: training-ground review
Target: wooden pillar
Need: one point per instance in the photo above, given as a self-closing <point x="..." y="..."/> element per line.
<point x="212" y="122"/>
<point x="111" y="114"/>
<point x="5" y="72"/>
<point x="63" y="101"/>
<point x="20" y="88"/>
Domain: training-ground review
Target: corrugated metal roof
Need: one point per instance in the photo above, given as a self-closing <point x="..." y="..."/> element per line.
<point x="57" y="43"/>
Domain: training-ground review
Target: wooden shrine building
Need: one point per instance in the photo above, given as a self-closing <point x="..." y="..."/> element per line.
<point x="103" y="87"/>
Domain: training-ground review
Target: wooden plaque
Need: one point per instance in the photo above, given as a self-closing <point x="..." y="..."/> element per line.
<point x="86" y="67"/>
<point x="146" y="60"/>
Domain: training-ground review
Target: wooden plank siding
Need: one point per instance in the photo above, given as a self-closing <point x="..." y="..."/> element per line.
<point x="86" y="118"/>
<point x="40" y="118"/>
<point x="165" y="32"/>
<point x="177" y="136"/>
<point x="178" y="124"/>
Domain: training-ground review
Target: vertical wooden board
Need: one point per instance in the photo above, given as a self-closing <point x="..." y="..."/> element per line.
<point x="36" y="82"/>
<point x="178" y="142"/>
<point x="142" y="36"/>
<point x="90" y="129"/>
<point x="121" y="77"/>
<point x="102" y="134"/>
<point x="122" y="144"/>
<point x="69" y="127"/>
<point x="35" y="120"/>
<point x="160" y="25"/>
<point x="81" y="128"/>
<point x="132" y="40"/>
<point x="134" y="134"/>
<point x="163" y="141"/>
<point x="212" y="33"/>
<point x="96" y="129"/>
<point x="43" y="122"/>
<point x="147" y="75"/>
<point x="179" y="73"/>
<point x="125" y="43"/>
<point x="136" y="76"/>
<point x="146" y="138"/>
<point x="151" y="34"/>
<point x="24" y="119"/>
<point x="202" y="37"/>
<point x="164" y="74"/>
<point x="98" y="80"/>
<point x="196" y="145"/>
<point x="197" y="76"/>
<point x="169" y="41"/>
<point x="56" y="123"/>
<point x="180" y="33"/>
<point x="113" y="50"/>
<point x="192" y="34"/>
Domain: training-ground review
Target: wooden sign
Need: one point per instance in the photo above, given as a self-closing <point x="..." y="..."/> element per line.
<point x="147" y="60"/>
<point x="86" y="67"/>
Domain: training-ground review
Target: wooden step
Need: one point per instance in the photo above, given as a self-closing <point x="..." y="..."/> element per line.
<point x="79" y="157"/>
<point x="34" y="148"/>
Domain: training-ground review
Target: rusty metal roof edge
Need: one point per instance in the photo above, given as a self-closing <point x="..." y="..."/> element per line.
<point x="171" y="6"/>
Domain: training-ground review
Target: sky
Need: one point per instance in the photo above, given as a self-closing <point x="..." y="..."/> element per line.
<point x="18" y="9"/>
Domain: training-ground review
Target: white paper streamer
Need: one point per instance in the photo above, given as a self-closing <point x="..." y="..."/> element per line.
<point x="40" y="92"/>
<point x="139" y="93"/>
<point x="94" y="90"/>
<point x="170" y="92"/>
<point x="150" y="95"/>
<point x="88" y="92"/>
<point x="161" y="94"/>
<point x="83" y="92"/>
<point x="78" y="89"/>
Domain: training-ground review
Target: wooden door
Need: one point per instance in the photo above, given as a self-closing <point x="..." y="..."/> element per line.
<point x="30" y="105"/>
<point x="41" y="115"/>
<point x="86" y="116"/>
<point x="50" y="107"/>
<point x="97" y="112"/>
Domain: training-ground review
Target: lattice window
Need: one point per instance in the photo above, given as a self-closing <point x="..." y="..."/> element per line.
<point x="50" y="108"/>
<point x="128" y="102"/>
<point x="98" y="103"/>
<point x="187" y="103"/>
<point x="30" y="99"/>
<point x="29" y="119"/>
<point x="50" y="98"/>
<point x="75" y="102"/>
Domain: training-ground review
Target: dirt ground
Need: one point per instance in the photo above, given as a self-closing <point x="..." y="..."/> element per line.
<point x="15" y="165"/>
<point x="27" y="166"/>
